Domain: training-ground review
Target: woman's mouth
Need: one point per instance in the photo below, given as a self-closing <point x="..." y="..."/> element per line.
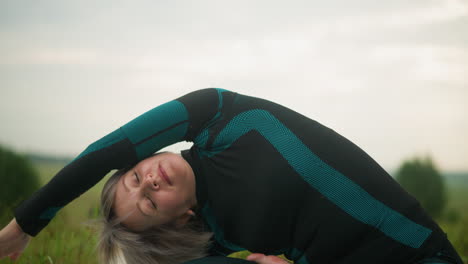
<point x="164" y="175"/>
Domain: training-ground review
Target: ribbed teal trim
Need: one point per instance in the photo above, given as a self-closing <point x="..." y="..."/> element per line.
<point x="220" y="97"/>
<point x="201" y="139"/>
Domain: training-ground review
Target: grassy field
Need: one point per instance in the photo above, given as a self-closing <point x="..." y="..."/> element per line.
<point x="69" y="239"/>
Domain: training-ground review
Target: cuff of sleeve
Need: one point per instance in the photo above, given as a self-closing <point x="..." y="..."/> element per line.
<point x="29" y="226"/>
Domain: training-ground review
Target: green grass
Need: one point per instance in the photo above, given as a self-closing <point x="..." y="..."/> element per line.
<point x="455" y="221"/>
<point x="67" y="239"/>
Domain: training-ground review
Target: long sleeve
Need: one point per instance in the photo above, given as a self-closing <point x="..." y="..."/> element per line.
<point x="172" y="122"/>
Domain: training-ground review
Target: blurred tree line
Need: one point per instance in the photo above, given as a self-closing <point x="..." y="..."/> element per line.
<point x="421" y="178"/>
<point x="18" y="180"/>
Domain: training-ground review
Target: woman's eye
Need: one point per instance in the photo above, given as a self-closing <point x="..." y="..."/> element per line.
<point x="136" y="177"/>
<point x="152" y="203"/>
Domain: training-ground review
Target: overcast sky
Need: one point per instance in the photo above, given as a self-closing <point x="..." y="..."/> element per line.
<point x="391" y="76"/>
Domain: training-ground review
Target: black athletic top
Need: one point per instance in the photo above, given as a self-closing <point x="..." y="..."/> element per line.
<point x="268" y="180"/>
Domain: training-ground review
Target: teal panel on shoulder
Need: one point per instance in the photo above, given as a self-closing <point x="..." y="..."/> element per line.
<point x="104" y="142"/>
<point x="155" y="121"/>
<point x="161" y="140"/>
<point x="338" y="188"/>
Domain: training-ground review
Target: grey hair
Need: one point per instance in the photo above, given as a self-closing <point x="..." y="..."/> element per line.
<point x="166" y="244"/>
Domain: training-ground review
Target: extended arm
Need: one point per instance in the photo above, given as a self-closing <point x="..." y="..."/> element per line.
<point x="164" y="125"/>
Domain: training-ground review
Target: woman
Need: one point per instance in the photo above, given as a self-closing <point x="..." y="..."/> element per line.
<point x="259" y="177"/>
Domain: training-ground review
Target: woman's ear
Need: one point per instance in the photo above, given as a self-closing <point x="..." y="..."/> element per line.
<point x="191" y="212"/>
<point x="183" y="219"/>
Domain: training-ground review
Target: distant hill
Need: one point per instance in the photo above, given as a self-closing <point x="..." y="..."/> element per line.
<point x="41" y="158"/>
<point x="459" y="174"/>
<point x="456" y="179"/>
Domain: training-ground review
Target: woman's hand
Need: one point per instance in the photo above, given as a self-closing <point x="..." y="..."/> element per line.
<point x="13" y="240"/>
<point x="262" y="259"/>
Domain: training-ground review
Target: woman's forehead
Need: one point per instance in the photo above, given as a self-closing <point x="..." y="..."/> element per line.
<point x="121" y="196"/>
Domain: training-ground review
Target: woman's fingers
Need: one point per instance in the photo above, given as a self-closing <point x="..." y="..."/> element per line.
<point x="262" y="259"/>
<point x="4" y="249"/>
<point x="5" y="244"/>
<point x="255" y="256"/>
<point x="14" y="248"/>
<point x="8" y="249"/>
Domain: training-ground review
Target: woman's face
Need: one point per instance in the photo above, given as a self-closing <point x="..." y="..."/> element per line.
<point x="158" y="190"/>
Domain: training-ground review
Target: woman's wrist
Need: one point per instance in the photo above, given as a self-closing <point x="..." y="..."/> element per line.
<point x="17" y="228"/>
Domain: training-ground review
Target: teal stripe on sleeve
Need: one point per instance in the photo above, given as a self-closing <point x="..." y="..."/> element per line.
<point x="160" y="127"/>
<point x="155" y="120"/>
<point x="104" y="142"/>
<point x="161" y="140"/>
<point x="339" y="189"/>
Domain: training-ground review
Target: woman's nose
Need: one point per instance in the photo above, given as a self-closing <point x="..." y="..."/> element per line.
<point x="151" y="181"/>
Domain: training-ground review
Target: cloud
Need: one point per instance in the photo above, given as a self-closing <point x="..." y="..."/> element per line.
<point x="436" y="12"/>
<point x="404" y="18"/>
<point x="52" y="57"/>
<point x="425" y="62"/>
